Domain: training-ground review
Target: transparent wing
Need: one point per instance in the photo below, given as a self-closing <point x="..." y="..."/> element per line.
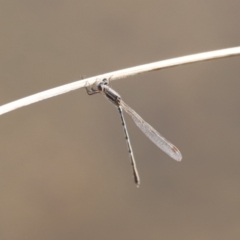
<point x="152" y="134"/>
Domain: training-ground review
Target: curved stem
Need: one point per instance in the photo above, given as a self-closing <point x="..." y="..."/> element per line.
<point x="118" y="75"/>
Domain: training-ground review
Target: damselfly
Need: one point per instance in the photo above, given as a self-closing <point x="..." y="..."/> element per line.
<point x="148" y="130"/>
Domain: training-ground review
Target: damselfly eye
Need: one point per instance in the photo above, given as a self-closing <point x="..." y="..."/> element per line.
<point x="105" y="81"/>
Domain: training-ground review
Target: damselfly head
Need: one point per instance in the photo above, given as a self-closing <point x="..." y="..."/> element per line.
<point x="101" y="85"/>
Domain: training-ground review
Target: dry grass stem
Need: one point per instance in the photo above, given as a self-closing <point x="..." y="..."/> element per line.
<point x="118" y="75"/>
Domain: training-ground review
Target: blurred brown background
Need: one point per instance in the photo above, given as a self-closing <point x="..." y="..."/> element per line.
<point x="64" y="166"/>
